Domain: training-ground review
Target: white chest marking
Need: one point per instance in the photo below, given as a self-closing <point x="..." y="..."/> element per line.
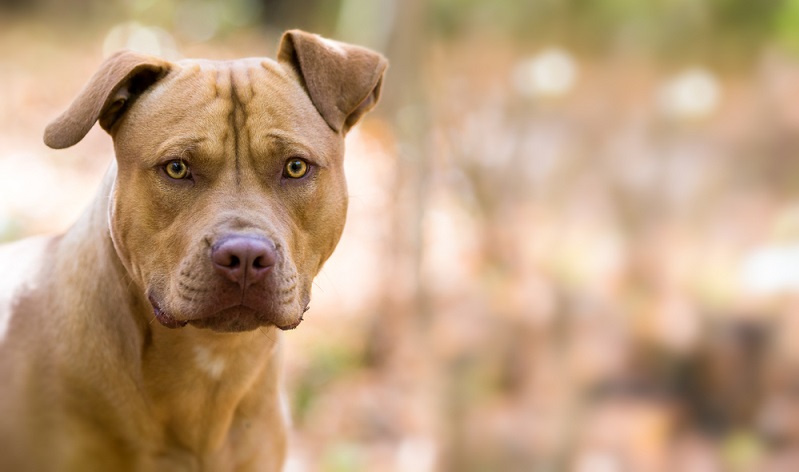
<point x="208" y="362"/>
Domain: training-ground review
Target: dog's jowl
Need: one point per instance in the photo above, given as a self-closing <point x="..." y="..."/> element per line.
<point x="147" y="337"/>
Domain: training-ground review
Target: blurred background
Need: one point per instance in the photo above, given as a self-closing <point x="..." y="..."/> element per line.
<point x="573" y="240"/>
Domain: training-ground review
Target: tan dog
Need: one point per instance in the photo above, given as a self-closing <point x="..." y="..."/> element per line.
<point x="146" y="337"/>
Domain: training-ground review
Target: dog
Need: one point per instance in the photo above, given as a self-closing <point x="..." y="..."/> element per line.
<point x="147" y="337"/>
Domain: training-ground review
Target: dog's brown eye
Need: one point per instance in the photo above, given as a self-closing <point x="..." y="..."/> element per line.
<point x="296" y="168"/>
<point x="177" y="169"/>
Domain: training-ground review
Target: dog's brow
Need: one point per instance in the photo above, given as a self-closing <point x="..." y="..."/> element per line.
<point x="286" y="140"/>
<point x="180" y="145"/>
<point x="283" y="138"/>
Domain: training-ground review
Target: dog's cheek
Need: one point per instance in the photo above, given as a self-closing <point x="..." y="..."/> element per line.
<point x="137" y="228"/>
<point x="334" y="220"/>
<point x="321" y="223"/>
<point x="119" y="231"/>
<point x="327" y="243"/>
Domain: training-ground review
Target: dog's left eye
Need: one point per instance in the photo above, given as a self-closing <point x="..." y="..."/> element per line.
<point x="295" y="168"/>
<point x="177" y="169"/>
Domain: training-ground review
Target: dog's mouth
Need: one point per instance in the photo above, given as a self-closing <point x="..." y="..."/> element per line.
<point x="165" y="318"/>
<point x="238" y="318"/>
<point x="232" y="319"/>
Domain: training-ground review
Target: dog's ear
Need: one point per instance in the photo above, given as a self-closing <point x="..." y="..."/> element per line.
<point x="342" y="80"/>
<point x="120" y="79"/>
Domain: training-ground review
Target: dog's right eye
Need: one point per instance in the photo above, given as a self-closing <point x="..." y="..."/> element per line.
<point x="177" y="169"/>
<point x="295" y="168"/>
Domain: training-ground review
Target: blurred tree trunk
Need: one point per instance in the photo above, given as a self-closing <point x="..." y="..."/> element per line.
<point x="310" y="15"/>
<point x="396" y="329"/>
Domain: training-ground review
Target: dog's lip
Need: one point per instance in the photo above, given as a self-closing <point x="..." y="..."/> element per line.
<point x="290" y="326"/>
<point x="209" y="320"/>
<point x="169" y="321"/>
<point x="165" y="318"/>
<point x="294" y="325"/>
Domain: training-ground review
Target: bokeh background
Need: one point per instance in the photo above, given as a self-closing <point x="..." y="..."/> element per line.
<point x="573" y="241"/>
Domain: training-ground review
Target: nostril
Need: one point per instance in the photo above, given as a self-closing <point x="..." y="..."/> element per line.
<point x="234" y="262"/>
<point x="259" y="263"/>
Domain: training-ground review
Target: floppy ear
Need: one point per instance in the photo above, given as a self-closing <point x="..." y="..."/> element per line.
<point x="120" y="79"/>
<point x="342" y="80"/>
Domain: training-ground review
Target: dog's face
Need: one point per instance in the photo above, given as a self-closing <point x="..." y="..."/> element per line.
<point x="227" y="151"/>
<point x="230" y="192"/>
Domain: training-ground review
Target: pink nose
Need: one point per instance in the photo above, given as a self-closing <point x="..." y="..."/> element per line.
<point x="244" y="260"/>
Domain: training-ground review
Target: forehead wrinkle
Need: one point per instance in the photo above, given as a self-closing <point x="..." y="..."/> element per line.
<point x="271" y="67"/>
<point x="241" y="83"/>
<point x="223" y="83"/>
<point x="189" y="81"/>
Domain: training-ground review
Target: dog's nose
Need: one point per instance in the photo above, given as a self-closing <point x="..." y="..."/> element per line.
<point x="243" y="259"/>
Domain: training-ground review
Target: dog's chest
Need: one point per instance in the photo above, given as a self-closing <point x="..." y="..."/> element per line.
<point x="213" y="404"/>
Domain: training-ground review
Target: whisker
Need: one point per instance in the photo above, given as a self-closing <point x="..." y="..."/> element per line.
<point x="330" y="280"/>
<point x="332" y="284"/>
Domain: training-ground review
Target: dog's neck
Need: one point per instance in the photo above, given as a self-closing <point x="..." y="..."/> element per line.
<point x="197" y="383"/>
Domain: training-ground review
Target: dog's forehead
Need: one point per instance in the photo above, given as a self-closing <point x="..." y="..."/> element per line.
<point x="252" y="98"/>
<point x="215" y="66"/>
<point x="240" y="79"/>
<point x="197" y="89"/>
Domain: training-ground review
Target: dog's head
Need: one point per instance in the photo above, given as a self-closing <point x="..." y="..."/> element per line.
<point x="230" y="192"/>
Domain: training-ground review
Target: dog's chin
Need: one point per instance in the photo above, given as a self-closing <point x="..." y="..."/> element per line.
<point x="232" y="320"/>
